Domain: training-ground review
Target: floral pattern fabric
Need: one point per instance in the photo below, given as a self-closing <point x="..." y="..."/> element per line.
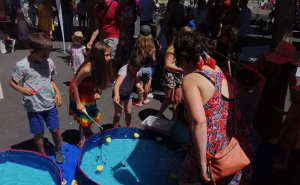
<point x="219" y="113"/>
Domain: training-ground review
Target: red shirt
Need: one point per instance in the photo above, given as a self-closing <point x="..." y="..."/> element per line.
<point x="110" y="24"/>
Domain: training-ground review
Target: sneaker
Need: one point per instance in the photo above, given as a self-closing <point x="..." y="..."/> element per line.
<point x="150" y="95"/>
<point x="59" y="157"/>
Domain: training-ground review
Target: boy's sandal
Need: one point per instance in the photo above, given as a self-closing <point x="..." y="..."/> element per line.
<point x="136" y="104"/>
<point x="80" y="143"/>
<point x="147" y="101"/>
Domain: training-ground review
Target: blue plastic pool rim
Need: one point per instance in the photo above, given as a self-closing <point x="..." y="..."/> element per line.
<point x="142" y="129"/>
<point x="40" y="154"/>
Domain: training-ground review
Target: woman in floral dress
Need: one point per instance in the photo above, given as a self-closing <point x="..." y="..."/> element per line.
<point x="209" y="100"/>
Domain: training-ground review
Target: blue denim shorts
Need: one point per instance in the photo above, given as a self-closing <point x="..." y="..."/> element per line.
<point x="37" y="120"/>
<point x="123" y="97"/>
<point x="146" y="73"/>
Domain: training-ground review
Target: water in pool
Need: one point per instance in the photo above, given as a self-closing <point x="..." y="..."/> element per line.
<point x="131" y="162"/>
<point x="27" y="171"/>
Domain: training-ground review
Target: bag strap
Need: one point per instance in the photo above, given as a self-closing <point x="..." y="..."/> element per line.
<point x="105" y="11"/>
<point x="235" y="109"/>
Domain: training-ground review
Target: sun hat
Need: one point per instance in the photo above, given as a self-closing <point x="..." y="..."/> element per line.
<point x="145" y="30"/>
<point x="284" y="53"/>
<point x="77" y="34"/>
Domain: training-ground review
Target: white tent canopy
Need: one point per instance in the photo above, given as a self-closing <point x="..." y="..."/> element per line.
<point x="58" y="4"/>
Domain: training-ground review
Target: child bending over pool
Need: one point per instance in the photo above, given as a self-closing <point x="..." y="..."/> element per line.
<point x="35" y="72"/>
<point x="91" y="78"/>
<point x="123" y="87"/>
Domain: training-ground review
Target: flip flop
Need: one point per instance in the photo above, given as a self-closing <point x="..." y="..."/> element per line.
<point x="147" y="102"/>
<point x="136" y="104"/>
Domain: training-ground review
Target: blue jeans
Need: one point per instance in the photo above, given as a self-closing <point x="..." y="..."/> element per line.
<point x="68" y="24"/>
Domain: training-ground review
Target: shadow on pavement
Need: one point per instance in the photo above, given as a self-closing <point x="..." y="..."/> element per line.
<point x="147" y="112"/>
<point x="29" y="145"/>
<point x="70" y="136"/>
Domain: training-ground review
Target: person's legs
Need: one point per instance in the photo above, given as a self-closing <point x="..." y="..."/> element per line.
<point x="52" y="122"/>
<point x="39" y="142"/>
<point x="167" y="101"/>
<point x="140" y="95"/>
<point x="82" y="133"/>
<point x="117" y="115"/>
<point x="127" y="111"/>
<point x="83" y="21"/>
<point x="68" y="23"/>
<point x="176" y="100"/>
<point x="37" y="127"/>
<point x="146" y="87"/>
<point x="79" y="22"/>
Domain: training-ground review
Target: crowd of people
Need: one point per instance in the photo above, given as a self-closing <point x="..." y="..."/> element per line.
<point x="215" y="96"/>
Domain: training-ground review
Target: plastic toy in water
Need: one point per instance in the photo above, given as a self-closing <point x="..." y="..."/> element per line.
<point x="74" y="182"/>
<point x="99" y="168"/>
<point x="136" y="135"/>
<point x="108" y="140"/>
<point x="129" y="160"/>
<point x="158" y="139"/>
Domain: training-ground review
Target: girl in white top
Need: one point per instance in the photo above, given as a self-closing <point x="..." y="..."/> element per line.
<point x="77" y="51"/>
<point x="123" y="87"/>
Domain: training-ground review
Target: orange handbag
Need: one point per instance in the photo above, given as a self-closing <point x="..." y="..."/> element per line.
<point x="229" y="160"/>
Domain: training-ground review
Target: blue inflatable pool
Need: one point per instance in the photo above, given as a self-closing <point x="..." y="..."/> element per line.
<point x="129" y="156"/>
<point x="28" y="168"/>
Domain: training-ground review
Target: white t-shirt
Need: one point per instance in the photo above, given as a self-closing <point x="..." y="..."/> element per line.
<point x="127" y="85"/>
<point x="146" y="9"/>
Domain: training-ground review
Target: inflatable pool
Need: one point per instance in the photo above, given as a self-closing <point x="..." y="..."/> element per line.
<point x="129" y="156"/>
<point x="28" y="168"/>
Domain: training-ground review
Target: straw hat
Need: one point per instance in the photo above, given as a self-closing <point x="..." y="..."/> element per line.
<point x="284" y="53"/>
<point x="77" y="34"/>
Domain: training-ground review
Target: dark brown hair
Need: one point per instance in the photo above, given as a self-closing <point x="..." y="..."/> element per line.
<point x="136" y="60"/>
<point x="39" y="42"/>
<point x="191" y="46"/>
<point x="101" y="71"/>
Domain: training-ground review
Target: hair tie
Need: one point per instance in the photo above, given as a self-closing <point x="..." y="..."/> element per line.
<point x="208" y="61"/>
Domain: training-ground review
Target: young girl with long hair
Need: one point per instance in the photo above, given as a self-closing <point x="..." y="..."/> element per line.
<point x="45" y="21"/>
<point x="145" y="46"/>
<point x="91" y="78"/>
<point x="171" y="78"/>
<point x="123" y="87"/>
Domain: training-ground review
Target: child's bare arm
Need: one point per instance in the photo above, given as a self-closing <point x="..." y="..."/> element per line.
<point x="117" y="85"/>
<point x="23" y="90"/>
<point x="139" y="87"/>
<point x="58" y="98"/>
